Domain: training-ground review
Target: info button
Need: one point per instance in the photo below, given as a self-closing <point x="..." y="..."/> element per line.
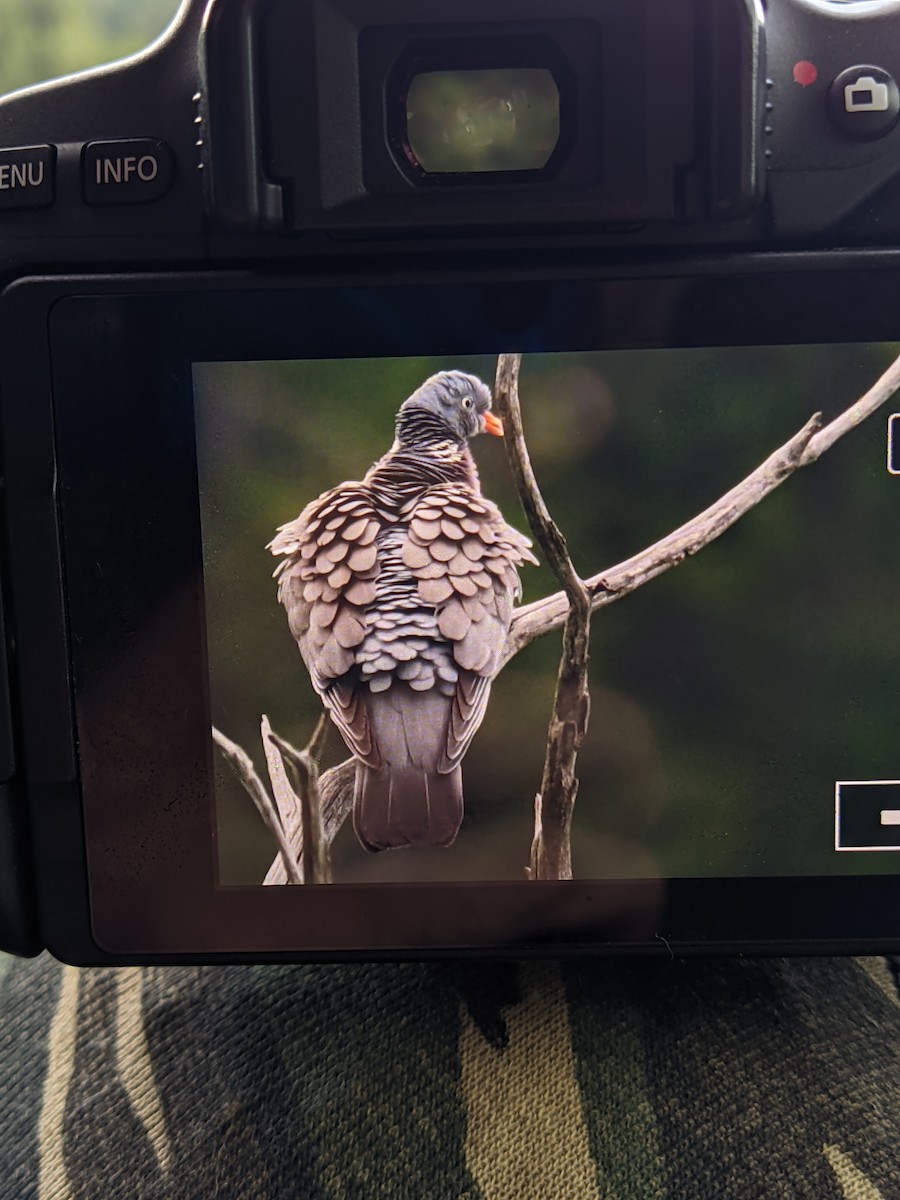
<point x="136" y="171"/>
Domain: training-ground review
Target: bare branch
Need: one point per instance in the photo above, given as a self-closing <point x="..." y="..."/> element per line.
<point x="869" y="402"/>
<point x="286" y="800"/>
<point x="533" y="620"/>
<point x="551" y="850"/>
<point x="542" y="525"/>
<point x="336" y="802"/>
<point x="315" y="747"/>
<point x="314" y="852"/>
<point x="240" y="763"/>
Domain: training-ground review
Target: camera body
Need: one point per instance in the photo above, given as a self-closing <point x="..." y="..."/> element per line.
<point x="697" y="126"/>
<point x="261" y="186"/>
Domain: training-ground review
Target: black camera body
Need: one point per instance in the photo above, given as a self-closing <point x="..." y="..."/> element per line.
<point x="319" y="199"/>
<point x="700" y="125"/>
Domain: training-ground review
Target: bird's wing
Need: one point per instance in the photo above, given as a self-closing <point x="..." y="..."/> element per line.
<point x="465" y="559"/>
<point x="326" y="577"/>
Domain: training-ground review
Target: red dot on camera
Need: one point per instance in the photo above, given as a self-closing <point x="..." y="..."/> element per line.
<point x="805" y="73"/>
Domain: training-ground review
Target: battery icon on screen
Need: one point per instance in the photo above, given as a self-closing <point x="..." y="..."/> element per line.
<point x="867" y="814"/>
<point x="893" y="444"/>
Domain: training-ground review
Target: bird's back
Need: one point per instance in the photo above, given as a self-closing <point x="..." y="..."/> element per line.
<point x="399" y="590"/>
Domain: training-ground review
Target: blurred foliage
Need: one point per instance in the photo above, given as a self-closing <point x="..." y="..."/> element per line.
<point x="42" y="39"/>
<point x="728" y="696"/>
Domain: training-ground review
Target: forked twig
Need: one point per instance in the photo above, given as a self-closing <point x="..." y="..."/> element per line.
<point x="315" y="860"/>
<point x="295" y="815"/>
<point x="336" y="801"/>
<point x="239" y="761"/>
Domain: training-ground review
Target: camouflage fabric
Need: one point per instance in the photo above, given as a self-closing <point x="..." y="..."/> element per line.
<point x="725" y="1080"/>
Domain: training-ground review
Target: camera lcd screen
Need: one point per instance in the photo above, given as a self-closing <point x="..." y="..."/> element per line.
<point x="744" y="706"/>
<point x="737" y="780"/>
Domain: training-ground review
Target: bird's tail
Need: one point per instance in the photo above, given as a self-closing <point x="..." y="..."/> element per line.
<point x="406" y="806"/>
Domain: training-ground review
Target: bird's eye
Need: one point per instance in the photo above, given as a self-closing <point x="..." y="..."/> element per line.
<point x="467" y="402"/>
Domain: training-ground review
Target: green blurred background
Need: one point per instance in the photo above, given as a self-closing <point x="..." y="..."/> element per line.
<point x="728" y="695"/>
<point x="41" y="39"/>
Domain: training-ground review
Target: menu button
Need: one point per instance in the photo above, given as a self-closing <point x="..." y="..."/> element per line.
<point x="133" y="171"/>
<point x="27" y="177"/>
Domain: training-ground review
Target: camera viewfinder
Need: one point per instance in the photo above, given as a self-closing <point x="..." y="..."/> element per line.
<point x="485" y="120"/>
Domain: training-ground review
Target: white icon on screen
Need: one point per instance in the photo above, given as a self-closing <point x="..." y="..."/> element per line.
<point x="893" y="444"/>
<point x="866" y="95"/>
<point x="863" y="808"/>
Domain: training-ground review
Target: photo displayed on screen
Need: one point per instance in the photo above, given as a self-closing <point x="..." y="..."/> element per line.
<point x="376" y="601"/>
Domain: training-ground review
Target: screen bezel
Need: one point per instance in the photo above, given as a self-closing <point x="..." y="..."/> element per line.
<point x="110" y="341"/>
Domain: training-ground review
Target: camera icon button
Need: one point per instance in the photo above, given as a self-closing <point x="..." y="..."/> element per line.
<point x="867" y="94"/>
<point x="864" y="103"/>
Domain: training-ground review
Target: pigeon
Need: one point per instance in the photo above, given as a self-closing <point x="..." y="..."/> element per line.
<point x="399" y="591"/>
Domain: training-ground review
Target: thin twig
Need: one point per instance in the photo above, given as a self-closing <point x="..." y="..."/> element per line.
<point x="240" y="762"/>
<point x="314" y="856"/>
<point x="315" y="747"/>
<point x="544" y="528"/>
<point x="551" y="850"/>
<point x="869" y="402"/>
<point x="286" y="799"/>
<point x="336" y="797"/>
<point x="533" y="620"/>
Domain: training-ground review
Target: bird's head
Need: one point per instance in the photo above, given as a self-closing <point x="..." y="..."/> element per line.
<point x="458" y="402"/>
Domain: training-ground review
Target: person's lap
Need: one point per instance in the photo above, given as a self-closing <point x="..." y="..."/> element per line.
<point x="683" y="1080"/>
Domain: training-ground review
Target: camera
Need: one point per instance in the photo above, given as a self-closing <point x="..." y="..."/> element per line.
<point x="299" y="665"/>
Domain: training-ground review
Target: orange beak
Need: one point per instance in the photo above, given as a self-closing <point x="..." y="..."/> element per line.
<point x="492" y="424"/>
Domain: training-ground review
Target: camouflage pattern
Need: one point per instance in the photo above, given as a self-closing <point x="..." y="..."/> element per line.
<point x="715" y="1080"/>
